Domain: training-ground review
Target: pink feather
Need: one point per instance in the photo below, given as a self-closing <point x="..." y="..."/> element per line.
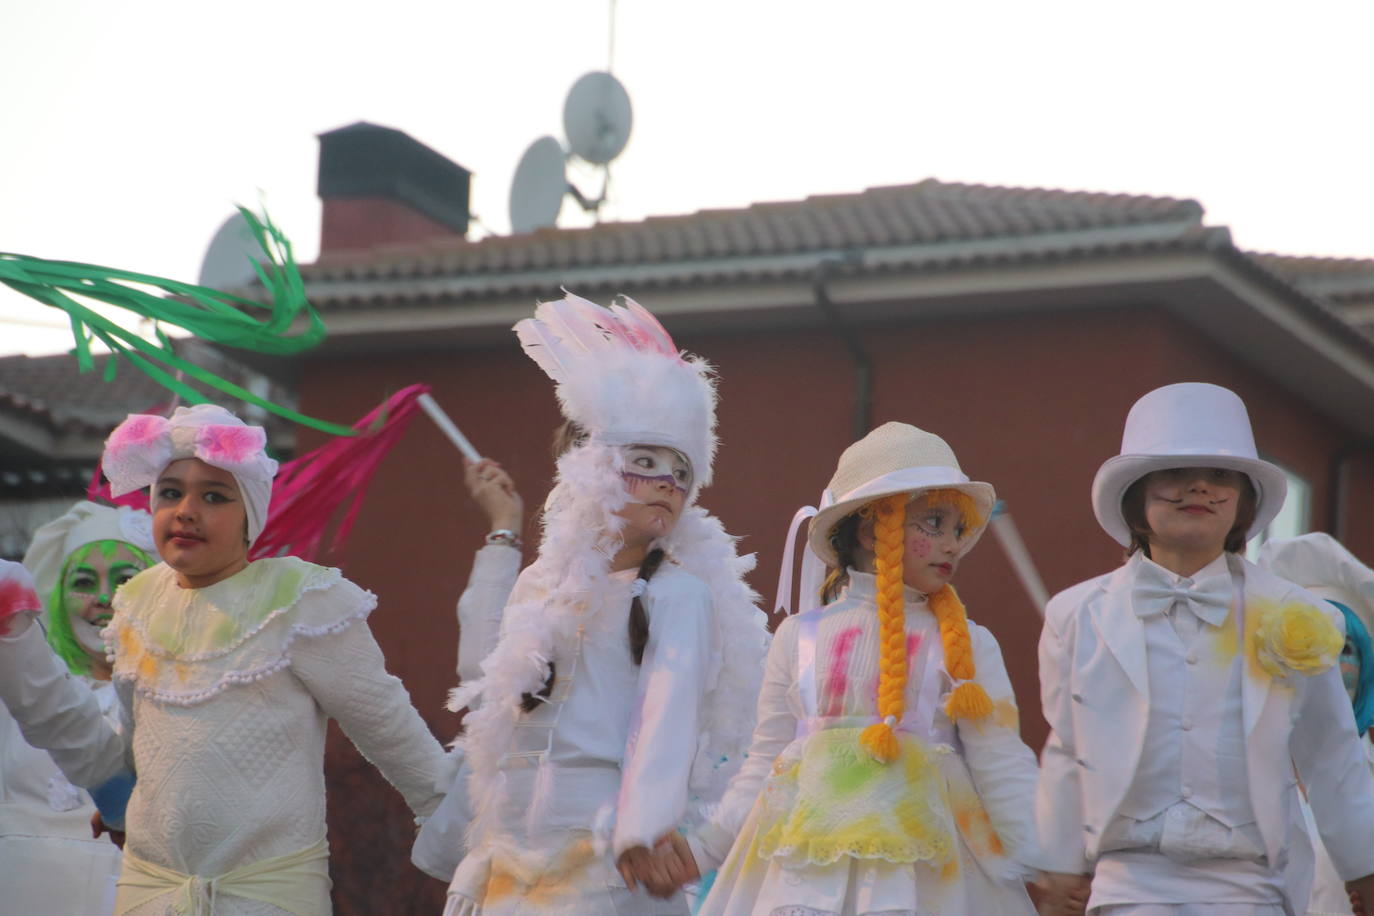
<point x="644" y="327"/>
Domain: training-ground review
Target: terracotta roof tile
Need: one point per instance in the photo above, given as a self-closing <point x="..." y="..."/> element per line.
<point x="50" y="390"/>
<point x="1337" y="280"/>
<point x="926" y="213"/>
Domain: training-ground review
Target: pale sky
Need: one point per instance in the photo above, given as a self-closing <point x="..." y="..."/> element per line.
<point x="131" y="128"/>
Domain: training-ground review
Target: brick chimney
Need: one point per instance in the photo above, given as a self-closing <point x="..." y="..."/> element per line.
<point x="380" y="186"/>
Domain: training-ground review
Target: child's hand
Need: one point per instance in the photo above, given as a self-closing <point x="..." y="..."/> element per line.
<point x="17" y="595"/>
<point x="494" y="492"/>
<point x="1065" y="894"/>
<point x="98" y="827"/>
<point x="673" y="850"/>
<point x="1361" y="892"/>
<point x="638" y="865"/>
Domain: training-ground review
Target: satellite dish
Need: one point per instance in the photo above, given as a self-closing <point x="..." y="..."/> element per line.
<point x="536" y="193"/>
<point x="597" y="117"/>
<point x="228" y="262"/>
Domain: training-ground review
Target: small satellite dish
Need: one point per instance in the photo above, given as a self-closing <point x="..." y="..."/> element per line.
<point x="597" y="117"/>
<point x="536" y="193"/>
<point x="228" y="260"/>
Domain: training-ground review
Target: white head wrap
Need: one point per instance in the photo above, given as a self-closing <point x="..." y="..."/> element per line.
<point x="143" y="445"/>
<point x="84" y="523"/>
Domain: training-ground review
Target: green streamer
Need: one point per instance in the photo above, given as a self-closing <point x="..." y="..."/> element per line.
<point x="215" y="316"/>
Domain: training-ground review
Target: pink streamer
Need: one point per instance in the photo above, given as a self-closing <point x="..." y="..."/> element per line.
<point x="309" y="491"/>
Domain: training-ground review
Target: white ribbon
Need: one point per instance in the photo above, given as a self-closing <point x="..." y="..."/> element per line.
<point x="810" y="562"/>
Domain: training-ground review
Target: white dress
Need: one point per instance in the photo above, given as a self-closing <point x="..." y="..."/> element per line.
<point x="49" y="863"/>
<point x="228" y="689"/>
<point x="814" y="827"/>
<point x="601" y="767"/>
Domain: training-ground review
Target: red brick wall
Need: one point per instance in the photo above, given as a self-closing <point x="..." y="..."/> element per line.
<point x="1031" y="404"/>
<point x="358" y="223"/>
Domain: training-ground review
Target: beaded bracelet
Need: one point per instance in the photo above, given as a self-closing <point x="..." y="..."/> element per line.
<point x="505" y="536"/>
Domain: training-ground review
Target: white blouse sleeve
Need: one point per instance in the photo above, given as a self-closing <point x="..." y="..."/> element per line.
<point x="56" y="711"/>
<point x="776" y="728"/>
<point x="346" y="674"/>
<point x="494" y="570"/>
<point x="1004" y="770"/>
<point x="663" y="734"/>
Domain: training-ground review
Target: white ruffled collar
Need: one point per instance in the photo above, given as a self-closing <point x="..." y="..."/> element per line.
<point x="183" y="646"/>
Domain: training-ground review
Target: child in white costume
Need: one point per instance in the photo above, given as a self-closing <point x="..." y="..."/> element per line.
<point x="227" y="672"/>
<point x="1182" y="688"/>
<point x="49" y="861"/>
<point x="887" y="773"/>
<point x="573" y="787"/>
<point x="1319" y="563"/>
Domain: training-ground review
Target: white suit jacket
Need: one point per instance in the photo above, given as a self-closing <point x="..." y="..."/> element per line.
<point x="1095" y="691"/>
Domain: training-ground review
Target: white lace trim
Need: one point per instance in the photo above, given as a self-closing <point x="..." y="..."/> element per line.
<point x="330" y="578"/>
<point x="234" y="677"/>
<point x="249" y="657"/>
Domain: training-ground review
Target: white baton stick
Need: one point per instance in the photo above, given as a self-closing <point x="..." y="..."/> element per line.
<point x="447" y="427"/>
<point x="1010" y="539"/>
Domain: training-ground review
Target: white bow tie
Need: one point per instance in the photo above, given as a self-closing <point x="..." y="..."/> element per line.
<point x="1156" y="591"/>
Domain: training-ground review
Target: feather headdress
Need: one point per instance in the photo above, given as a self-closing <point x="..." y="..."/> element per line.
<point x="621" y="378"/>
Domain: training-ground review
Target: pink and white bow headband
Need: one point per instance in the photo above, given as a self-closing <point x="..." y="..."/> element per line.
<point x="144" y="444"/>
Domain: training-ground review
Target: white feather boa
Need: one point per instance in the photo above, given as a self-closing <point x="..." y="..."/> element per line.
<point x="580" y="536"/>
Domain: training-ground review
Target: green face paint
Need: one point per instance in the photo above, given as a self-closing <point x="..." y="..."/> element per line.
<point x="79" y="608"/>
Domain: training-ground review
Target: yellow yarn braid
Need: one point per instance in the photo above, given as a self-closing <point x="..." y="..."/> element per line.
<point x="968" y="700"/>
<point x="889" y="532"/>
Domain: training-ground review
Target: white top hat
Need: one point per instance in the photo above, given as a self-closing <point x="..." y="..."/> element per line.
<point x="1322" y="565"/>
<point x="1188" y="425"/>
<point x="894" y="458"/>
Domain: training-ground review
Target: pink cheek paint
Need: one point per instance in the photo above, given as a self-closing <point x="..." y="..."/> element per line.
<point x="837" y="682"/>
<point x="918" y="546"/>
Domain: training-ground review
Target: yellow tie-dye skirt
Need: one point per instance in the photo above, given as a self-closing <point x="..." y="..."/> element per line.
<point x="836" y="832"/>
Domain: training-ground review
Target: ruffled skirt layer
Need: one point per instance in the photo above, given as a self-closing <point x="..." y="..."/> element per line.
<point x="835" y="834"/>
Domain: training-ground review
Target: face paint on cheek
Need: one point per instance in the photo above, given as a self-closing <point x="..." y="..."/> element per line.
<point x="918" y="546"/>
<point x="632" y="480"/>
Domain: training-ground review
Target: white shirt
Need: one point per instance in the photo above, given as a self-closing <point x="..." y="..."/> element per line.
<point x="1189" y="798"/>
<point x="636" y="725"/>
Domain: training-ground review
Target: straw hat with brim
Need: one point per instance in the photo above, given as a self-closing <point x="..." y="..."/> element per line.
<point x="894" y="458"/>
<point x="1189" y="425"/>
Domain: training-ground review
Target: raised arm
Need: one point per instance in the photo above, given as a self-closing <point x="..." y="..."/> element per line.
<point x="494" y="568"/>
